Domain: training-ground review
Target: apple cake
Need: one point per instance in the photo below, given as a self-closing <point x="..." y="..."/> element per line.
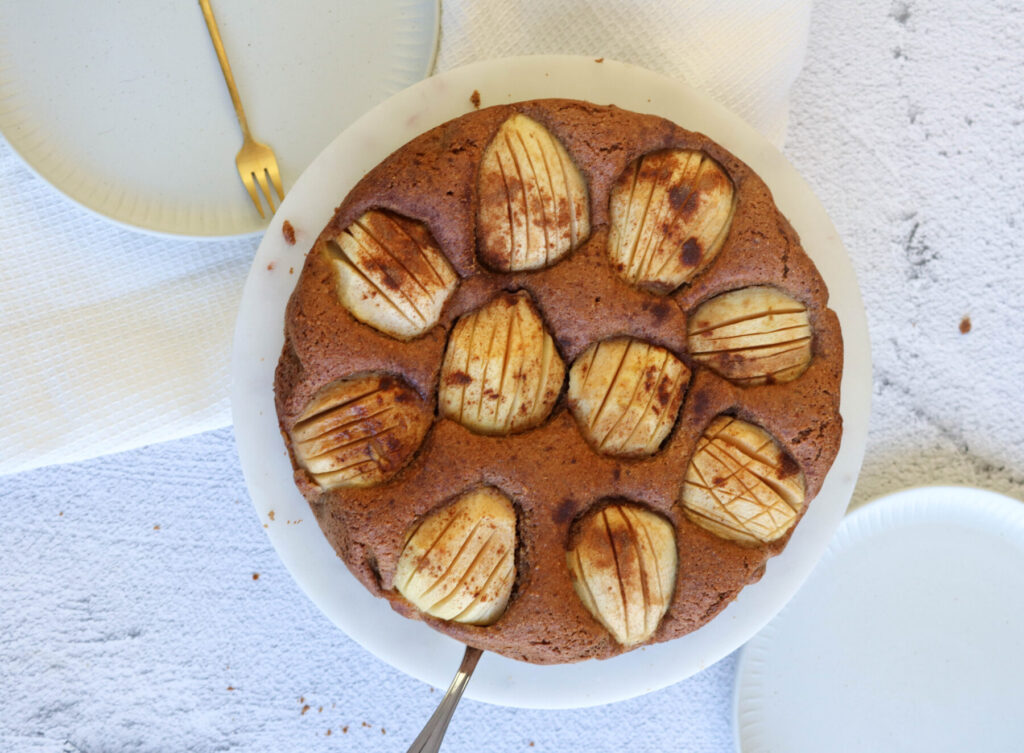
<point x="559" y="379"/>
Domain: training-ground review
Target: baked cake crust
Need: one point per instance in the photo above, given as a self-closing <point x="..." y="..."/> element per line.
<point x="551" y="473"/>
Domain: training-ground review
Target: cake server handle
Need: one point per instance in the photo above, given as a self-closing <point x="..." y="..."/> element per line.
<point x="429" y="740"/>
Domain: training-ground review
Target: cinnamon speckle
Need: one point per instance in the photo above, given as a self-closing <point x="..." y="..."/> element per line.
<point x="255" y="576"/>
<point x="965" y="325"/>
<point x="596" y="60"/>
<point x="691" y="252"/>
<point x="664" y="394"/>
<point x="563" y="512"/>
<point x="231" y="687"/>
<point x="270" y="267"/>
<point x="677" y="195"/>
<point x="788" y="466"/>
<point x="690" y="205"/>
<point x="305" y="708"/>
<point x="288" y="232"/>
<point x="659" y="311"/>
<point x="700" y="403"/>
<point x="475" y="99"/>
<point x="459" y="377"/>
<point x="328" y="732"/>
<point x="156" y="527"/>
<point x="271" y="515"/>
<point x="344" y="730"/>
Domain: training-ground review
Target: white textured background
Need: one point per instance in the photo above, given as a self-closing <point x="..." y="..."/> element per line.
<point x="908" y="121"/>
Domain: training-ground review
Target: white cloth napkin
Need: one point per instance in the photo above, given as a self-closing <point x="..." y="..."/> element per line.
<point x="744" y="53"/>
<point x="112" y="338"/>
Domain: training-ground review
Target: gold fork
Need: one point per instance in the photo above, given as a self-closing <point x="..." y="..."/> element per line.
<point x="255" y="161"/>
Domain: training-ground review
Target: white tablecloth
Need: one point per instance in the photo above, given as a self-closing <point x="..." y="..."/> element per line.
<point x="130" y="618"/>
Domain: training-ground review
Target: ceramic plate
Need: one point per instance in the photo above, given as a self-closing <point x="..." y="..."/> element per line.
<point x="121" y="105"/>
<point x="410" y="645"/>
<point x="906" y="637"/>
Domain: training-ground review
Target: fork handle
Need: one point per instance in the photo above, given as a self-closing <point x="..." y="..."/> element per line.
<point x="225" y="66"/>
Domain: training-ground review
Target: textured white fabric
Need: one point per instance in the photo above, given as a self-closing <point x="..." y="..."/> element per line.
<point x="111" y="338"/>
<point x="743" y="53"/>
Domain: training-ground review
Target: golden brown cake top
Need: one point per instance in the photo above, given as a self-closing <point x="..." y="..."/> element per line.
<point x="589" y="311"/>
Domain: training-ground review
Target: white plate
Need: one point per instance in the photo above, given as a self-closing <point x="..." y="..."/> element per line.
<point x="907" y="637"/>
<point x="121" y="105"/>
<point x="410" y="645"/>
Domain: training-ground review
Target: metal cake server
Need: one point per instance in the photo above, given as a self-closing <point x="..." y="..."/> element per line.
<point x="429" y="740"/>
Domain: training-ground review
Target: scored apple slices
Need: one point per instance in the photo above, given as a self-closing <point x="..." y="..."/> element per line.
<point x="390" y="274"/>
<point x="752" y="336"/>
<point x="459" y="563"/>
<point x="360" y="431"/>
<point x="741" y="484"/>
<point x="533" y="206"/>
<point x="501" y="372"/>
<point x="670" y="215"/>
<point x="625" y="395"/>
<point x="622" y="559"/>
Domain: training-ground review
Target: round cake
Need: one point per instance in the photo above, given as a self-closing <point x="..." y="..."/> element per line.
<point x="558" y="379"/>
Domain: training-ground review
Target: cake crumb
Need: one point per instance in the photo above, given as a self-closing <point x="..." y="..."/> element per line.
<point x="531" y="743"/>
<point x="302" y="699"/>
<point x="328" y="733"/>
<point x="305" y="708"/>
<point x="596" y="60"/>
<point x="231" y="687"/>
<point x="271" y="515"/>
<point x="367" y="725"/>
<point x="320" y="710"/>
<point x="156" y="527"/>
<point x="270" y="267"/>
<point x="965" y="325"/>
<point x="291" y="270"/>
<point x="288" y="232"/>
<point x="383" y="731"/>
<point x="475" y="99"/>
<point x="61" y="514"/>
<point x="255" y="576"/>
<point x="344" y="730"/>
